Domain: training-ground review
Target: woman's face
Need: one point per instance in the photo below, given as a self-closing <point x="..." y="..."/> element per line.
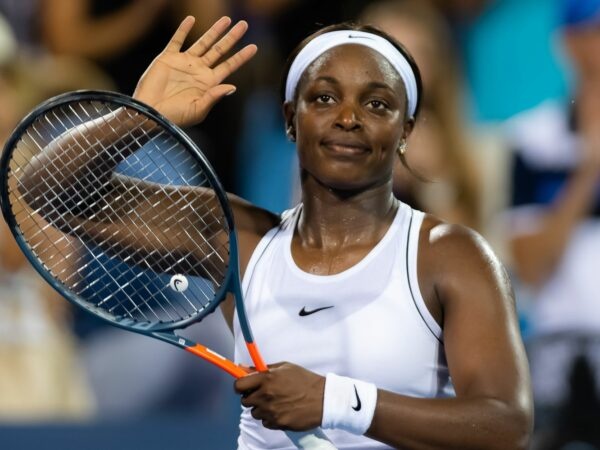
<point x="349" y="118"/>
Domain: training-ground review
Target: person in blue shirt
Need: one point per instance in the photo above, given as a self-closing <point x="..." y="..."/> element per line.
<point x="555" y="216"/>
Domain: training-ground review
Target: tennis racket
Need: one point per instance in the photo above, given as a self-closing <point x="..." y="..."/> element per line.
<point x="122" y="214"/>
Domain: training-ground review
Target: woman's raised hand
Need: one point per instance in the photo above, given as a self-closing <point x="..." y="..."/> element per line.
<point x="185" y="85"/>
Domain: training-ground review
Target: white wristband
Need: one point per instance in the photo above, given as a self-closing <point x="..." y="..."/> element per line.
<point x="348" y="404"/>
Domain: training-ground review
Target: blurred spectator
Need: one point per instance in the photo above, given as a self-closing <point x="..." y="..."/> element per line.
<point x="555" y="220"/>
<point x="40" y="371"/>
<point x="439" y="147"/>
<point x="121" y="36"/>
<point x="577" y="422"/>
<point x="24" y="82"/>
<point x="462" y="10"/>
<point x="44" y="372"/>
<point x="23" y="18"/>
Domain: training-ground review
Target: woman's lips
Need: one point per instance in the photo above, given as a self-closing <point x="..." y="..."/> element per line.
<point x="346" y="148"/>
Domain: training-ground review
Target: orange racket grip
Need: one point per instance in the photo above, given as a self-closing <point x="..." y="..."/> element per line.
<point x="259" y="363"/>
<point x="218" y="360"/>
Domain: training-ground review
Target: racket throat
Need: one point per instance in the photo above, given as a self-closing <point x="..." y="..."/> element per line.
<point x="218" y="360"/>
<point x="203" y="352"/>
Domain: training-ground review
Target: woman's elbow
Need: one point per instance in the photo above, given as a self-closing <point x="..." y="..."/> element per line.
<point x="518" y="428"/>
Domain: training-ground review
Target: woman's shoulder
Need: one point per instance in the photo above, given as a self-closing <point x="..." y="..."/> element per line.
<point x="252" y="219"/>
<point x="448" y="248"/>
<point x="457" y="266"/>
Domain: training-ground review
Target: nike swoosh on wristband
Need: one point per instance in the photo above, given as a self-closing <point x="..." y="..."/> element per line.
<point x="358" y="402"/>
<point x="303" y="312"/>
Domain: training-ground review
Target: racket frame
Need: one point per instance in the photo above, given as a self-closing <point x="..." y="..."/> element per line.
<point x="164" y="332"/>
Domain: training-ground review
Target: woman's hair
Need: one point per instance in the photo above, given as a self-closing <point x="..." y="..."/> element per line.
<point x="353" y="27"/>
<point x="442" y="98"/>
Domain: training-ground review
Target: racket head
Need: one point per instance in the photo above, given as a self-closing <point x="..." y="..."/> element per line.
<point x="104" y="102"/>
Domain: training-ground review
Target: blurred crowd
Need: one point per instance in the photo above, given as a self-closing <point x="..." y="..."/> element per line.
<point x="508" y="143"/>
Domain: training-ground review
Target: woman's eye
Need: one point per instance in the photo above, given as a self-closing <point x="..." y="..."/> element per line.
<point x="324" y="98"/>
<point x="377" y="104"/>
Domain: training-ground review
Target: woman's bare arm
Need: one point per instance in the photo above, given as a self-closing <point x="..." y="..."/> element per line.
<point x="57" y="179"/>
<point x="183" y="86"/>
<point x="493" y="407"/>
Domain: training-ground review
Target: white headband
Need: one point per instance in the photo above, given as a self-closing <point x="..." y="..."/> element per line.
<point x="327" y="41"/>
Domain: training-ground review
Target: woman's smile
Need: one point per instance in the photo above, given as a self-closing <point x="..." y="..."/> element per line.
<point x="346" y="146"/>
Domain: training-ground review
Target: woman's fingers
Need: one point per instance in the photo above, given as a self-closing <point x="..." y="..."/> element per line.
<point x="213" y="45"/>
<point x="225" y="44"/>
<point x="178" y="38"/>
<point x="233" y="63"/>
<point x="211" y="97"/>
<point x="203" y="44"/>
<point x="250" y="382"/>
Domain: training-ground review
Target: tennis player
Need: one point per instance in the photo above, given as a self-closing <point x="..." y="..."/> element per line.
<point x="398" y="330"/>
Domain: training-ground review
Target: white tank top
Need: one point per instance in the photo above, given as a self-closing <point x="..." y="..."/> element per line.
<point x="368" y="322"/>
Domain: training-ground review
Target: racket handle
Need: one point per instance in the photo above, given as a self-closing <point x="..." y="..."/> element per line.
<point x="311" y="440"/>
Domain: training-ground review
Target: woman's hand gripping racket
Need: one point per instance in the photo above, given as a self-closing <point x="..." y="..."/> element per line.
<point x="121" y="213"/>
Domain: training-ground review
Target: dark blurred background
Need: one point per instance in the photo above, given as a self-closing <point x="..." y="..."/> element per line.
<point x="509" y="135"/>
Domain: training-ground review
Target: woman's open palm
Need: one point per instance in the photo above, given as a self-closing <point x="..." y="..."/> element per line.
<point x="185" y="85"/>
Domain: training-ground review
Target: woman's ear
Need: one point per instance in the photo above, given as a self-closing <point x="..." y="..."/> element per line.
<point x="409" y="126"/>
<point x="289" y="113"/>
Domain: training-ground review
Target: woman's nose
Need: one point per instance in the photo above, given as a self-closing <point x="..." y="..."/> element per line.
<point x="348" y="118"/>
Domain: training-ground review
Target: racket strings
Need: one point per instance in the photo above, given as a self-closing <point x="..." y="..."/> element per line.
<point x="171" y="222"/>
<point x="115" y="241"/>
<point x="67" y="196"/>
<point x="109" y="296"/>
<point x="50" y="250"/>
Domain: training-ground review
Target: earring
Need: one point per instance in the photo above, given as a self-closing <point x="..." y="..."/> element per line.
<point x="290" y="134"/>
<point x="402" y="148"/>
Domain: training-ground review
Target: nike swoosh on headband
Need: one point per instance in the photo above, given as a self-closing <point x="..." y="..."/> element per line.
<point x="351" y="36"/>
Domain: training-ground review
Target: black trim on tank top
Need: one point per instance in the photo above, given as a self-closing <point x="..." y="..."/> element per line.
<point x="279" y="229"/>
<point x="410" y="288"/>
